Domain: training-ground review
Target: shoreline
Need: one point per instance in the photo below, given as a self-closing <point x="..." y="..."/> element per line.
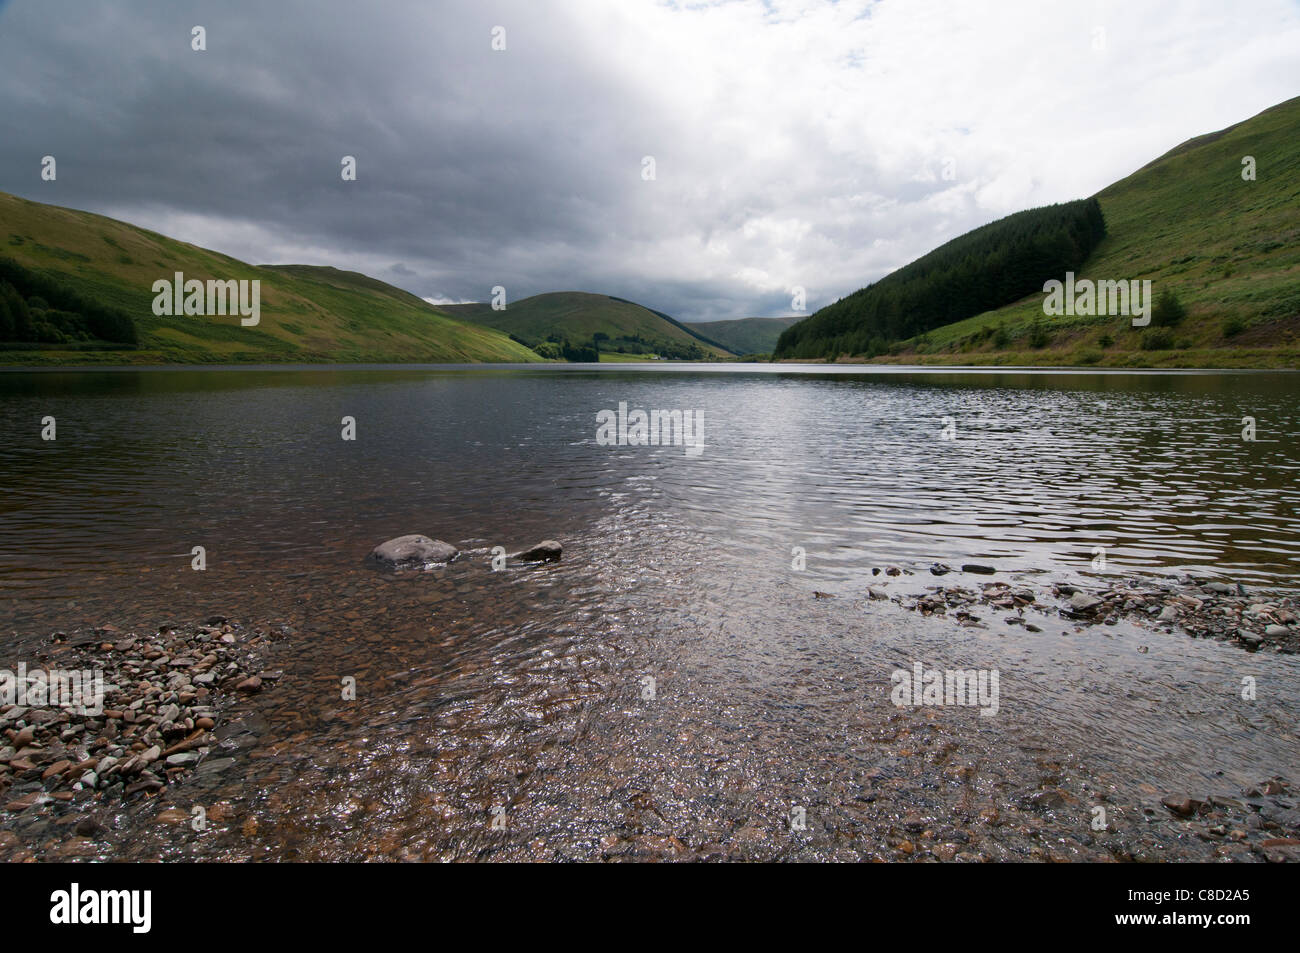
<point x="163" y="760"/>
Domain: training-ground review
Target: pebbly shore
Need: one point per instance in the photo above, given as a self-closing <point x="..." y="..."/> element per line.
<point x="159" y="699"/>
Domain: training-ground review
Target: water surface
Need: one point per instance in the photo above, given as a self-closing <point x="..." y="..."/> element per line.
<point x="525" y="688"/>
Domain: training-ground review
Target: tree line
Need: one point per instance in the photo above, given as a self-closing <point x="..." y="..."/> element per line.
<point x="36" y="307"/>
<point x="987" y="268"/>
<point x="558" y="347"/>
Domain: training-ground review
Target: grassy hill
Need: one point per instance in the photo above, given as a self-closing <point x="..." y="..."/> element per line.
<point x="1228" y="248"/>
<point x="745" y="335"/>
<point x="308" y="314"/>
<point x="579" y="316"/>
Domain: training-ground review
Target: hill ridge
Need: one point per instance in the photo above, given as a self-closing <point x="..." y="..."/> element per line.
<point x="309" y="313"/>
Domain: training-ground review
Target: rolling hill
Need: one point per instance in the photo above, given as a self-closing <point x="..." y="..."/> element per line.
<point x="745" y="335"/>
<point x="579" y="316"/>
<point x="308" y="314"/>
<point x="1228" y="249"/>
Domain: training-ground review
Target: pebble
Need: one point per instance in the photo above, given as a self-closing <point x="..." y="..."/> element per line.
<point x="1179" y="804"/>
<point x="57" y="767"/>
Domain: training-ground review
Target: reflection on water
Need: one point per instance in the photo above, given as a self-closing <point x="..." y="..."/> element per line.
<point x="523" y="691"/>
<point x="1044" y="467"/>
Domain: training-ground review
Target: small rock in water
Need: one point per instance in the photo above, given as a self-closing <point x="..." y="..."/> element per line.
<point x="215" y="766"/>
<point x="940" y="569"/>
<point x="1084" y="602"/>
<point x="877" y="592"/>
<point x="547" y="551"/>
<point x="1222" y="588"/>
<point x="1182" y="806"/>
<point x="978" y="569"/>
<point x="250" y="685"/>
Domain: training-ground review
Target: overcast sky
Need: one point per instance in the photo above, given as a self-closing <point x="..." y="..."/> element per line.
<point x="794" y="143"/>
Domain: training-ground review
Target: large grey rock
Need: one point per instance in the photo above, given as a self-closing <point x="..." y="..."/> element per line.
<point x="547" y="551"/>
<point x="411" y="552"/>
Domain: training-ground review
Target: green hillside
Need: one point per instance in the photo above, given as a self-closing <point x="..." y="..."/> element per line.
<point x="1228" y="249"/>
<point x="745" y="335"/>
<point x="988" y="267"/>
<point x="308" y="314"/>
<point x="578" y="316"/>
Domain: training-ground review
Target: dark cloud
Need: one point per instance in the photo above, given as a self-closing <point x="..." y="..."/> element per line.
<point x="521" y="168"/>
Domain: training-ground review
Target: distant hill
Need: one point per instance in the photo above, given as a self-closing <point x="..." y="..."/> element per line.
<point x="308" y="314"/>
<point x="1227" y="248"/>
<point x="578" y="316"/>
<point x="745" y="335"/>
